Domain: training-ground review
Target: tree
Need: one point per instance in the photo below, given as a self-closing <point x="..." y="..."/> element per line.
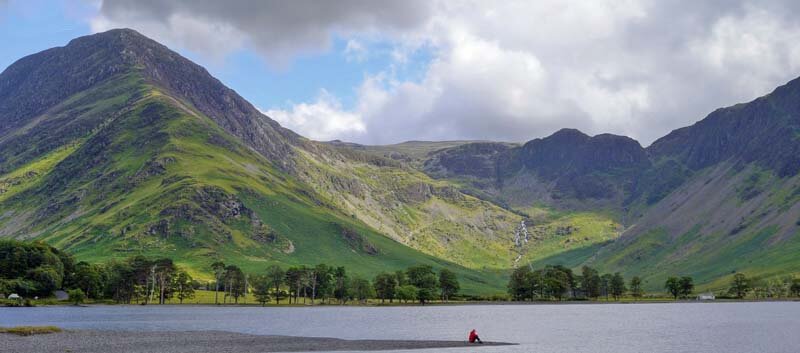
<point x="183" y="286"/>
<point x="519" y="284"/>
<point x="617" y="286"/>
<point x="76" y="296"/>
<point x="448" y="283"/>
<point x="740" y="285"/>
<point x="164" y="270"/>
<point x="324" y="279"/>
<point x="261" y="286"/>
<point x="605" y="284"/>
<point x="219" y="271"/>
<point x="385" y="286"/>
<point x="590" y="282"/>
<point x="673" y="286"/>
<point x="636" y="287"/>
<point x="555" y="281"/>
<point x="424" y="278"/>
<point x="294" y="280"/>
<point x="87" y="277"/>
<point x="687" y="286"/>
<point x="795" y="287"/>
<point x="407" y="293"/>
<point x="235" y="282"/>
<point x="361" y="289"/>
<point x="276" y="277"/>
<point x="401" y="278"/>
<point x="46" y="280"/>
<point x="340" y="289"/>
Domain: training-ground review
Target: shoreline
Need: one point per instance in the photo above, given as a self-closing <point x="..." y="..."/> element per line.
<point x="98" y="341"/>
<point x="463" y="303"/>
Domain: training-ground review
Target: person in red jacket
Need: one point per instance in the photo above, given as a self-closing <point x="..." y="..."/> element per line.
<point x="473" y="337"/>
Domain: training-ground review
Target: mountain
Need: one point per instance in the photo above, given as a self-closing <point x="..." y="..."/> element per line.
<point x="114" y="145"/>
<point x="707" y="200"/>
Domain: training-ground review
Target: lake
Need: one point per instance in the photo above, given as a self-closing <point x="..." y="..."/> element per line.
<point x="598" y="328"/>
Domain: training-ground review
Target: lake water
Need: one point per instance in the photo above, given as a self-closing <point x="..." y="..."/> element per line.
<point x="614" y="328"/>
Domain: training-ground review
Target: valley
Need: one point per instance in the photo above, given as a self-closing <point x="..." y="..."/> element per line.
<point x="115" y="146"/>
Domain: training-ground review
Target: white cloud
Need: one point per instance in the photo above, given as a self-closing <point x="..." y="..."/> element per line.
<point x="511" y="70"/>
<point x="355" y="51"/>
<point x="277" y="29"/>
<point x="323" y="119"/>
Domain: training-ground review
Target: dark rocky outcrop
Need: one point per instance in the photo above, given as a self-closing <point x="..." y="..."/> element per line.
<point x="765" y="131"/>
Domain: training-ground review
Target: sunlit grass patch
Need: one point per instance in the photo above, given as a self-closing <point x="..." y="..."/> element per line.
<point x="29" y="330"/>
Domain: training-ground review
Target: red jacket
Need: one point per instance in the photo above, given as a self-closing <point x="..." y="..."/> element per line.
<point x="473" y="336"/>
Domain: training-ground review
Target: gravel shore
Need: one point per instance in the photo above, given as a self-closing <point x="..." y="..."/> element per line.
<point x="200" y="342"/>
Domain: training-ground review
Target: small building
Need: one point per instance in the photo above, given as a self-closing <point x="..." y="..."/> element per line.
<point x="706" y="296"/>
<point x="61" y="295"/>
<point x="14" y="296"/>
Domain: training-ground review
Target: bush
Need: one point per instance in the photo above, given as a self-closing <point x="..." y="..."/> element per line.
<point x="76" y="296"/>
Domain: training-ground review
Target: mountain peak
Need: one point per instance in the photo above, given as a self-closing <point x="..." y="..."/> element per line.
<point x="35" y="83"/>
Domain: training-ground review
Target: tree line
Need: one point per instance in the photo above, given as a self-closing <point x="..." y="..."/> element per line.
<point x="556" y="282"/>
<point x="330" y="284"/>
<point x="36" y="269"/>
<point x="741" y="286"/>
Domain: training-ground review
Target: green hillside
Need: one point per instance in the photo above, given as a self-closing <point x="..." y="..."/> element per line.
<point x="161" y="179"/>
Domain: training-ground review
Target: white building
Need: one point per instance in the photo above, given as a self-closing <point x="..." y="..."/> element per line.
<point x="706" y="296"/>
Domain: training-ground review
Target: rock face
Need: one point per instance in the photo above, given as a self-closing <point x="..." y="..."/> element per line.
<point x="569" y="164"/>
<point x="473" y="159"/>
<point x="764" y="131"/>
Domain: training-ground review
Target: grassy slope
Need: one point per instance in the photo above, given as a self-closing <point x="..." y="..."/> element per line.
<point x="416" y="210"/>
<point x="723" y="221"/>
<point x="157" y="158"/>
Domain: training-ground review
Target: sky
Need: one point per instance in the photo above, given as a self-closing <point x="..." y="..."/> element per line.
<point x="381" y="72"/>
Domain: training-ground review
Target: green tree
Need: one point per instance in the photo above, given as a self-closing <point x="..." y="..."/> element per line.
<point x="740" y="285"/>
<point x="183" y="286"/>
<point x="605" y="284"/>
<point x="235" y="282"/>
<point x="261" y="287"/>
<point x="556" y="281"/>
<point x="673" y="286"/>
<point x="636" y="287"/>
<point x="219" y="271"/>
<point x="76" y="296"/>
<point x="401" y="278"/>
<point x="687" y="286"/>
<point x="448" y="283"/>
<point x="324" y="279"/>
<point x="519" y="284"/>
<point x="617" y="286"/>
<point x="276" y="277"/>
<point x="385" y="286"/>
<point x="407" y="293"/>
<point x="46" y="280"/>
<point x="87" y="277"/>
<point x="590" y="282"/>
<point x="164" y="271"/>
<point x="361" y="289"/>
<point x="341" y="283"/>
<point x="424" y="278"/>
<point x="794" y="288"/>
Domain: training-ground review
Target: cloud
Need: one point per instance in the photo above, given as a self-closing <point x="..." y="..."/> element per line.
<point x="321" y="120"/>
<point x="277" y="29"/>
<point x="355" y="51"/>
<point x="636" y="68"/>
<point x="511" y="70"/>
